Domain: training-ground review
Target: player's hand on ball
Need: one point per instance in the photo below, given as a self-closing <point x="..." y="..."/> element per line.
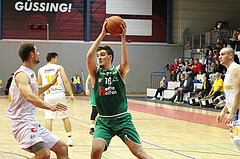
<point x="59" y="107"/>
<point x="104" y="30"/>
<point x="124" y="29"/>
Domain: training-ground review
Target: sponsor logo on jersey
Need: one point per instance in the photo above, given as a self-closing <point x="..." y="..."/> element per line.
<point x="228" y="87"/>
<point x="32" y="75"/>
<point x="33" y="130"/>
<point x="33" y="136"/>
<point x="100" y="80"/>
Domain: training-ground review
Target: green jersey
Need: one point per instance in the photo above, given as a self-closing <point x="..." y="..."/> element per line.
<point x="92" y="98"/>
<point x="110" y="93"/>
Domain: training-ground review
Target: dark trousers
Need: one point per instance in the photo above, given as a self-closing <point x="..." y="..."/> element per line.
<point x="216" y="94"/>
<point x="173" y="76"/>
<point x="180" y="94"/>
<point x="159" y="90"/>
<point x="204" y="93"/>
<point x="194" y="74"/>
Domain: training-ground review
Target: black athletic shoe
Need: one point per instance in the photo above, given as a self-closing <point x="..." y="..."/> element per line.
<point x="91" y="131"/>
<point x="171" y="100"/>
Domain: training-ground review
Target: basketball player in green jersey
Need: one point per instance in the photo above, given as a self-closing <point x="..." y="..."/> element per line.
<point x="110" y="98"/>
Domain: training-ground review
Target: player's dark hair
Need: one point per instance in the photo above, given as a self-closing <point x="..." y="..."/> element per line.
<point x="24" y="50"/>
<point x="108" y="49"/>
<point x="51" y="55"/>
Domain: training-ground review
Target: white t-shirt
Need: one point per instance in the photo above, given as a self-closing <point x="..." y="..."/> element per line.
<point x="47" y="72"/>
<point x="229" y="89"/>
<point x="19" y="108"/>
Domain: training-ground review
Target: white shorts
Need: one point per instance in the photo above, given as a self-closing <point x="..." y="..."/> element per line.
<point x="29" y="132"/>
<point x="54" y="99"/>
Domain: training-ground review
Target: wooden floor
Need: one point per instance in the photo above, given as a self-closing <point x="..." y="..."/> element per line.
<point x="166" y="131"/>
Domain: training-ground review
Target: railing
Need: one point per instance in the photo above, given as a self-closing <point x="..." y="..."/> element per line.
<point x="156" y="77"/>
<point x="201" y="40"/>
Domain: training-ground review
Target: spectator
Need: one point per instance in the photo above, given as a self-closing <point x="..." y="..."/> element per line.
<point x="210" y="56"/>
<point x="182" y="79"/>
<point x="179" y="68"/>
<point x="206" y="88"/>
<point x="218" y="68"/>
<point x="9" y="84"/>
<point x="217" y="50"/>
<point x="172" y="77"/>
<point x="197" y="68"/>
<point x="206" y="54"/>
<point x="217" y="88"/>
<point x="210" y="67"/>
<point x="235" y="40"/>
<point x="163" y="86"/>
<point x="187" y="87"/>
<point x="187" y="69"/>
<point x="76" y="82"/>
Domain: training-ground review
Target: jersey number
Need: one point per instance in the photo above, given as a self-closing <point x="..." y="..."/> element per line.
<point x="50" y="78"/>
<point x="108" y="80"/>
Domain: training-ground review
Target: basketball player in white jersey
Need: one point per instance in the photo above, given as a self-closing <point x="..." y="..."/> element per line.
<point x="232" y="92"/>
<point x="23" y="103"/>
<point x="56" y="93"/>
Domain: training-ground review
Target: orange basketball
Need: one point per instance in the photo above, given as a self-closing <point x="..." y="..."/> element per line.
<point x="113" y="25"/>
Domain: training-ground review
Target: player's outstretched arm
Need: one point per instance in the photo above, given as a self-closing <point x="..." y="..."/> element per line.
<point x="66" y="83"/>
<point x="235" y="76"/>
<point x="43" y="88"/>
<point x="88" y="92"/>
<point x="22" y="81"/>
<point x="124" y="66"/>
<point x="91" y="63"/>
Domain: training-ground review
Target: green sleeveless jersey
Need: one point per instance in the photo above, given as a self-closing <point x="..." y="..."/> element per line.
<point x="92" y="98"/>
<point x="110" y="93"/>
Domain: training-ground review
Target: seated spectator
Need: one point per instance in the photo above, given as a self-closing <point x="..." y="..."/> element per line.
<point x="217" y="88"/>
<point x="218" y="68"/>
<point x="182" y="79"/>
<point x="217" y="50"/>
<point x="235" y="40"/>
<point x="187" y="69"/>
<point x="179" y="68"/>
<point x="210" y="67"/>
<point x="187" y="87"/>
<point x="76" y="82"/>
<point x="9" y="84"/>
<point x="163" y="86"/>
<point x="197" y="68"/>
<point x="206" y="88"/>
<point x="172" y="77"/>
<point x="210" y="56"/>
<point x="206" y="54"/>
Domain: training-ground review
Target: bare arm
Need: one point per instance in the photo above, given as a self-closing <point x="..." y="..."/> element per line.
<point x="91" y="63"/>
<point x="235" y="76"/>
<point x="88" y="92"/>
<point x="22" y="81"/>
<point x="66" y="83"/>
<point x="124" y="66"/>
<point x="43" y="88"/>
<point x="222" y="114"/>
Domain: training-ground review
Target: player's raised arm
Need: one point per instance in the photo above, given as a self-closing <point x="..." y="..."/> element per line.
<point x="91" y="63"/>
<point x="124" y="66"/>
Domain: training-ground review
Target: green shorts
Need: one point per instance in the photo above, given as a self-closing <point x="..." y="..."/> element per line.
<point x="122" y="126"/>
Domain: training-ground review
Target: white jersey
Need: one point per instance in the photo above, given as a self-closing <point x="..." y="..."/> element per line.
<point x="19" y="108"/>
<point x="47" y="72"/>
<point x="229" y="89"/>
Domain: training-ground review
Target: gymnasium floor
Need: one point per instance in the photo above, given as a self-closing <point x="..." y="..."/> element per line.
<point x="166" y="130"/>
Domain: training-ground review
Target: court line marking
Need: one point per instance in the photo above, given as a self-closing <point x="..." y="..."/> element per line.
<point x="14" y="154"/>
<point x="144" y="142"/>
<point x="224" y="148"/>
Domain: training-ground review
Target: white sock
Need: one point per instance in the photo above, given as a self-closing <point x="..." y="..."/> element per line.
<point x="69" y="134"/>
<point x="92" y="125"/>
